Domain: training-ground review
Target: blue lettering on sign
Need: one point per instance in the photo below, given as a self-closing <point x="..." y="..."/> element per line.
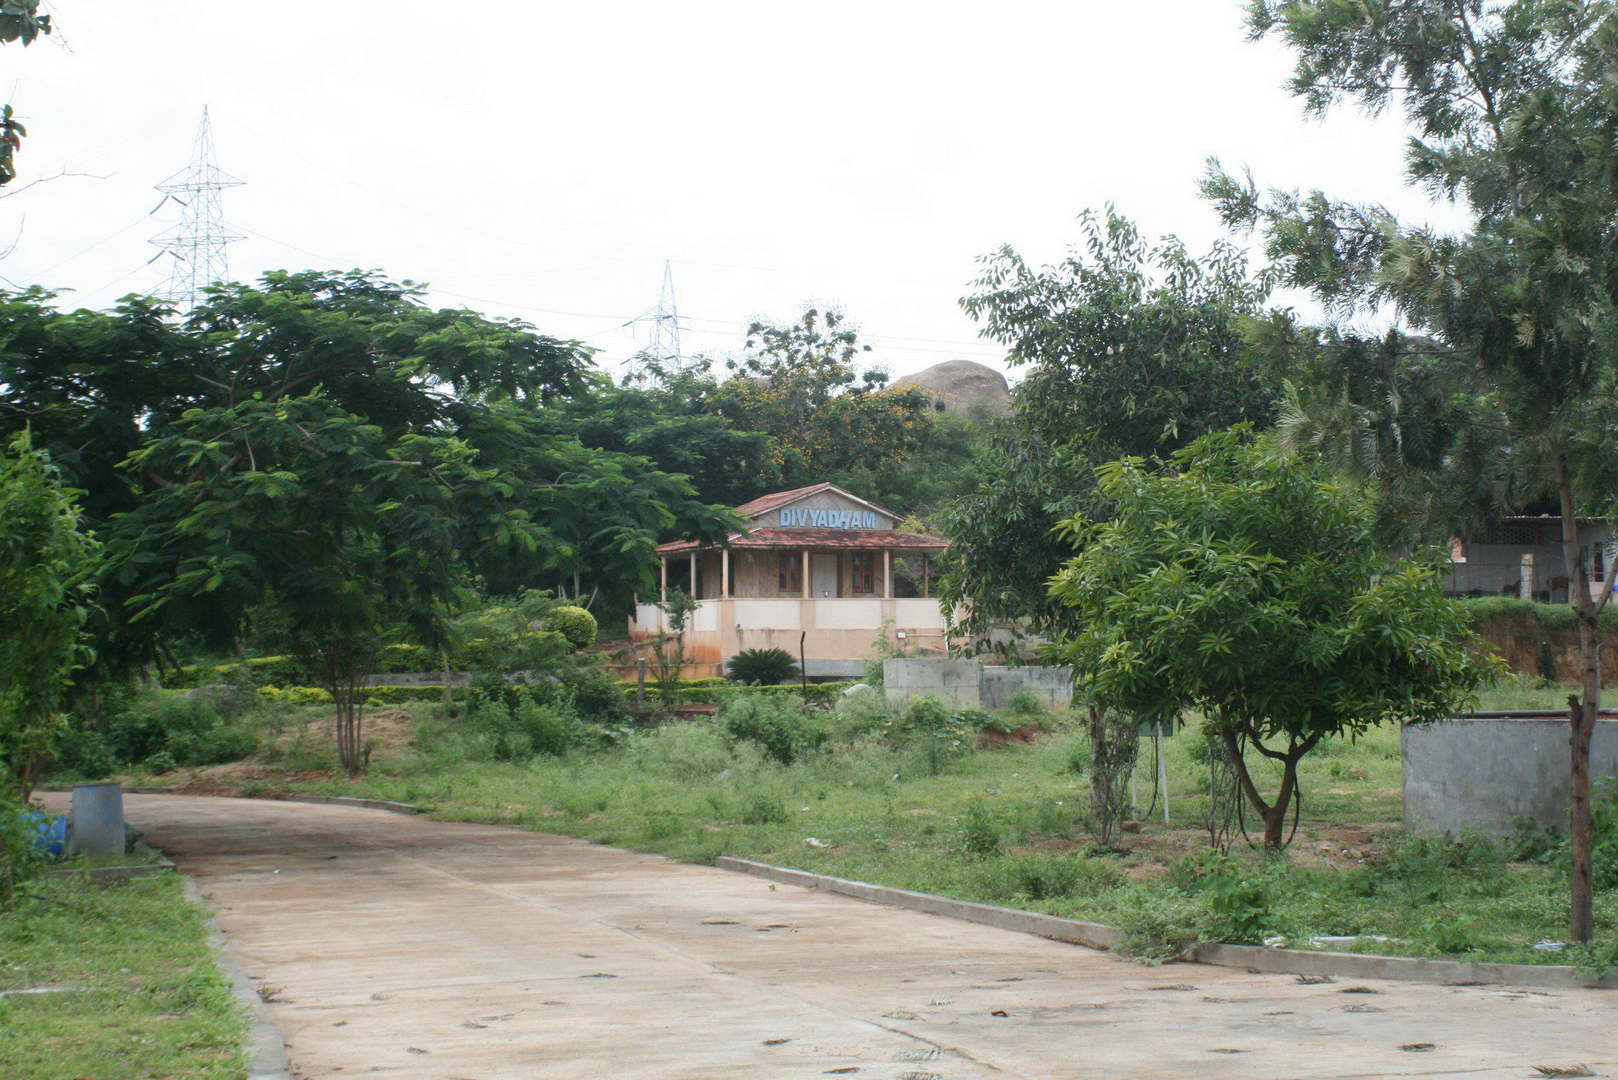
<point x="828" y="519"/>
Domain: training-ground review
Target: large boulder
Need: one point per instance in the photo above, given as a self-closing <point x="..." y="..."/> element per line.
<point x="963" y="388"/>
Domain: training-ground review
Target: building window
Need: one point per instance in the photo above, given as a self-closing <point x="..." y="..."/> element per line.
<point x="1600" y="562"/>
<point x="862" y="574"/>
<point x="789" y="572"/>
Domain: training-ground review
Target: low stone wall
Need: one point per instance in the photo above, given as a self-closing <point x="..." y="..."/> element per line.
<point x="1486" y="773"/>
<point x="968" y="684"/>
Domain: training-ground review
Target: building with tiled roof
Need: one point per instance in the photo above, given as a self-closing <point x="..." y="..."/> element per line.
<point x="819" y="572"/>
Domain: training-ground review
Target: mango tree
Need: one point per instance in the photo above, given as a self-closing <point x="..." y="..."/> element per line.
<point x="1254" y="591"/>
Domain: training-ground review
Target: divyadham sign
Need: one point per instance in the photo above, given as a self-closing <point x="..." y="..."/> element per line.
<point x="805" y="518"/>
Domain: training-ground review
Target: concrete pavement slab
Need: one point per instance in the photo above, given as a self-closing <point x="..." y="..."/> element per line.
<point x="389" y="945"/>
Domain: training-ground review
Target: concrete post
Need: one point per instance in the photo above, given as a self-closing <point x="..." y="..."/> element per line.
<point x="696" y="590"/>
<point x="887" y="574"/>
<point x="724" y="573"/>
<point x="663" y="582"/>
<point x="1525" y="586"/>
<point x="807" y="594"/>
<point x="98" y="818"/>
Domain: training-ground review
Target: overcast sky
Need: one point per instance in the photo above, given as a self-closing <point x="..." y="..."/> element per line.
<point x="542" y="160"/>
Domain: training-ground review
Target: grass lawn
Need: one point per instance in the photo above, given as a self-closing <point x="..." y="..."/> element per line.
<point x="1002" y="825"/>
<point x="141" y="995"/>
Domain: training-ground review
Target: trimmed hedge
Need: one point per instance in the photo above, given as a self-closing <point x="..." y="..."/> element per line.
<point x="816" y="693"/>
<point x="374" y="695"/>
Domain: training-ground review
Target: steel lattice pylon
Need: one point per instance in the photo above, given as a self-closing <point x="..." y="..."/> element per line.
<point x="196" y="245"/>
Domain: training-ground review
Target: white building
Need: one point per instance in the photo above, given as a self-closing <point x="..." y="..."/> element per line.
<point x="819" y="572"/>
<point x="1492" y="563"/>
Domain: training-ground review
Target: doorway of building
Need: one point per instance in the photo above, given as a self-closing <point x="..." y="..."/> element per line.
<point x="823" y="575"/>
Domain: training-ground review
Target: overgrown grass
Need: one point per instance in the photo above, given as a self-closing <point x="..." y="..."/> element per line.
<point x="1007" y="826"/>
<point x="141" y="995"/>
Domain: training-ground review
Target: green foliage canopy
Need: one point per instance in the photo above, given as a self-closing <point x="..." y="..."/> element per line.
<point x="1254" y="590"/>
<point x="46" y="561"/>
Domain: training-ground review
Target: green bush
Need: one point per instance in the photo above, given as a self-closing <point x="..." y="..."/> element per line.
<point x="405" y="659"/>
<point x="20" y="856"/>
<point x="723" y="690"/>
<point x="1039" y="876"/>
<point x="761" y="667"/>
<point x="596" y="696"/>
<point x="782" y="729"/>
<point x="573" y="623"/>
<point x="862" y="714"/>
<point x="928" y="727"/>
<point x="197" y="727"/>
<point x="524" y="730"/>
<point x="979" y="835"/>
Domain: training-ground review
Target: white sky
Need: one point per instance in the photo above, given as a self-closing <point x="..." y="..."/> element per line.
<point x="542" y="160"/>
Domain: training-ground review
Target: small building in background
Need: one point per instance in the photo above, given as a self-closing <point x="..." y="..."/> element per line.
<point x="1522" y="556"/>
<point x="820" y="573"/>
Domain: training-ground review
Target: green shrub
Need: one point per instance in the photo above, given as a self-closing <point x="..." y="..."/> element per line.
<point x="1026" y="706"/>
<point x="862" y="714"/>
<point x="1604" y="811"/>
<point x="762" y="667"/>
<point x="21" y="858"/>
<point x="524" y="730"/>
<point x="197" y="727"/>
<point x="596" y="697"/>
<point x="1161" y="926"/>
<point x="405" y="659"/>
<point x="928" y="727"/>
<point x="573" y="623"/>
<point x="979" y="835"/>
<point x="685" y="751"/>
<point x="1238" y="898"/>
<point x="783" y="729"/>
<point x="1039" y="876"/>
<point x="379" y="696"/>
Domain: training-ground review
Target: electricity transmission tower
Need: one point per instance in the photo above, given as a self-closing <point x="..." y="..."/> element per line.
<point x="664" y="349"/>
<point x="196" y="245"/>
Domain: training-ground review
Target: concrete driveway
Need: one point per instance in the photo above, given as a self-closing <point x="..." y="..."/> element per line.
<point x="398" y="946"/>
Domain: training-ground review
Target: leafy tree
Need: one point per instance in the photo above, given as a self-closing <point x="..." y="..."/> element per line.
<point x="1513" y="105"/>
<point x="20" y="20"/>
<point x="46" y="559"/>
<point x="826" y="420"/>
<point x="100" y="386"/>
<point x="1130" y="349"/>
<point x="347" y="535"/>
<point x="1254" y="591"/>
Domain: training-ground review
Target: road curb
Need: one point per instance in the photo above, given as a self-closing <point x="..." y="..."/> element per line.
<point x="1256" y="958"/>
<point x="111" y="875"/>
<point x="319" y="800"/>
<point x="266" y="1048"/>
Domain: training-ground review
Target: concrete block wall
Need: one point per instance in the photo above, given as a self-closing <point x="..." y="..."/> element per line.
<point x="968" y="684"/>
<point x="1485" y="774"/>
<point x="1052" y="687"/>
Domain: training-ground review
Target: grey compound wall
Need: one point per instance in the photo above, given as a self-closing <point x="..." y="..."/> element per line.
<point x="968" y="684"/>
<point x="1485" y="773"/>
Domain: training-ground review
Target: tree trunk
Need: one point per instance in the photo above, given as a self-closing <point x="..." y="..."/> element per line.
<point x="1581" y="826"/>
<point x="1099" y="796"/>
<point x="1581" y="714"/>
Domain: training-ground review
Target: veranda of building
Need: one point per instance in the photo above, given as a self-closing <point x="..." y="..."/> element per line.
<point x="820" y="573"/>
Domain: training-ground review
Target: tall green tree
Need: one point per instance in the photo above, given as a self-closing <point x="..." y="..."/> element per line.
<point x="46" y="563"/>
<point x="1513" y="106"/>
<point x="1129" y="349"/>
<point x="1256" y="591"/>
<point x="347" y="535"/>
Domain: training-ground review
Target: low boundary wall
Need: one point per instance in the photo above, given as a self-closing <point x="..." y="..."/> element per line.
<point x="971" y="684"/>
<point x="1489" y="772"/>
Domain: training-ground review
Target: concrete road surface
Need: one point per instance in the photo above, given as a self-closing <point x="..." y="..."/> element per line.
<point x="397" y="946"/>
